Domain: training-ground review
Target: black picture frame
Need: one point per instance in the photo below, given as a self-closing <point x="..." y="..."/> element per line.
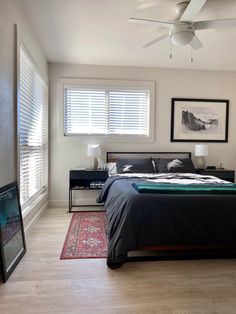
<point x="12" y="237"/>
<point x="199" y="120"/>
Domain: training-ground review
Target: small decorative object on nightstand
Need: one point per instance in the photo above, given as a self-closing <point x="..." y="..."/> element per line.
<point x="224" y="174"/>
<point x="94" y="152"/>
<point x="221" y="165"/>
<point x="200" y="152"/>
<point x="85" y="179"/>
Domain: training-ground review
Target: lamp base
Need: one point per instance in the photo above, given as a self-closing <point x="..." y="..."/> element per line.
<point x="201" y="162"/>
<point x="94" y="163"/>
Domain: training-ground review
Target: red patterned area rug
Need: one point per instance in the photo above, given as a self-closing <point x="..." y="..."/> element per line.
<point x="86" y="236"/>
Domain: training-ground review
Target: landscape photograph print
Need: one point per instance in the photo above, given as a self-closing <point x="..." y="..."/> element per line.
<point x="199" y="120"/>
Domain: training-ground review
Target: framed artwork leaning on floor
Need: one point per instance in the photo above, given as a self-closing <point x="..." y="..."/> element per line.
<point x="12" y="238"/>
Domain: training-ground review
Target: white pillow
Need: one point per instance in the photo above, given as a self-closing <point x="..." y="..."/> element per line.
<point x="111" y="167"/>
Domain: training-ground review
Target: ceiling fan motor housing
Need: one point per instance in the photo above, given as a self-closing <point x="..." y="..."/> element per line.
<point x="182" y="34"/>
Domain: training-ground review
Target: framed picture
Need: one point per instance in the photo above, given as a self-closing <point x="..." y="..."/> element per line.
<point x="199" y="120"/>
<point x="12" y="238"/>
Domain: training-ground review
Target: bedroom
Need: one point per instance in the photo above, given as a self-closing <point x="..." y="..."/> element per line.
<point x="174" y="78"/>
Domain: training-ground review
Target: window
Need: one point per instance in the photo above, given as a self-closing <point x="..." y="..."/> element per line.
<point x="32" y="128"/>
<point x="110" y="108"/>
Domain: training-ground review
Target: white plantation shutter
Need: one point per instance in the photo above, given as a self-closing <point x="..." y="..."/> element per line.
<point x="106" y="111"/>
<point x="128" y="112"/>
<point x="32" y="128"/>
<point x="85" y="111"/>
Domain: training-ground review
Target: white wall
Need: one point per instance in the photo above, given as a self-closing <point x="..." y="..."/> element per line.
<point x="10" y="14"/>
<point x="68" y="152"/>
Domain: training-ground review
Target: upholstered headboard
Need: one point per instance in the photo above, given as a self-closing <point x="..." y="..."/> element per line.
<point x="113" y="156"/>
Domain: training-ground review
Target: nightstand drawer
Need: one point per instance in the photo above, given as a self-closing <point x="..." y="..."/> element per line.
<point x="88" y="174"/>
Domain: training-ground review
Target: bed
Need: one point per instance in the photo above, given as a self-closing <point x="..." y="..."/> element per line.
<point x="149" y="211"/>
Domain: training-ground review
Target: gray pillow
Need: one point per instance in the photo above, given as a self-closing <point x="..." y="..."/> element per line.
<point x="174" y="165"/>
<point x="143" y="165"/>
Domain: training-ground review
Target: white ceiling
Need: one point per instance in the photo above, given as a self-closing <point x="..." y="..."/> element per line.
<point x="97" y="32"/>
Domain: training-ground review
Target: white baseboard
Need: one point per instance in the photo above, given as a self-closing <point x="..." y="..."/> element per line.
<point x="33" y="217"/>
<point x="65" y="203"/>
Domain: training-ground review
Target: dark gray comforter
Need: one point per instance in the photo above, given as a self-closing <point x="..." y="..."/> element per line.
<point x="137" y="220"/>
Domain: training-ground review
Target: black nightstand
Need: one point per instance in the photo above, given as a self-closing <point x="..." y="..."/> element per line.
<point x="85" y="179"/>
<point x="224" y="174"/>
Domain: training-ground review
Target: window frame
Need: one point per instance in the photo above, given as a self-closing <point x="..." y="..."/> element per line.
<point x="114" y="85"/>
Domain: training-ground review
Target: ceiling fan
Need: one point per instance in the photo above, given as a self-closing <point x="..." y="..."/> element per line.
<point x="182" y="30"/>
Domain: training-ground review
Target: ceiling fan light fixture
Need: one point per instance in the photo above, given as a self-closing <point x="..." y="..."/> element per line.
<point x="182" y="38"/>
<point x="182" y="34"/>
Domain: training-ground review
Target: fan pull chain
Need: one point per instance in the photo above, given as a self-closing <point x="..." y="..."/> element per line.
<point x="171" y="55"/>
<point x="191" y="54"/>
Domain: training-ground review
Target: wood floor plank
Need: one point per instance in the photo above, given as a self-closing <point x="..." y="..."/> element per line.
<point x="42" y="283"/>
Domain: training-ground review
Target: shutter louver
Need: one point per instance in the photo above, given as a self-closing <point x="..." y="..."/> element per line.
<point x="32" y="128"/>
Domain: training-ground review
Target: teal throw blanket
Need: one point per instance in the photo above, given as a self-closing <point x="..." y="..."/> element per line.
<point x="173" y="188"/>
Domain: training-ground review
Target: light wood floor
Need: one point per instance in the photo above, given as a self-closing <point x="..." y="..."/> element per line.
<point x="42" y="283"/>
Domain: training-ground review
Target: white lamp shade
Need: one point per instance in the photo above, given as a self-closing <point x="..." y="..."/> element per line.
<point x="201" y="150"/>
<point x="94" y="150"/>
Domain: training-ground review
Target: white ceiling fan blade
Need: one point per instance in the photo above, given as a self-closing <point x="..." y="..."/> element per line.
<point x="196" y="43"/>
<point x="156" y="40"/>
<point x="221" y="23"/>
<point x="192" y="10"/>
<point x="139" y="20"/>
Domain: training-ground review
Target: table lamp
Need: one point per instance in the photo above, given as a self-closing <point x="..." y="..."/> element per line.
<point x="94" y="151"/>
<point x="201" y="151"/>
